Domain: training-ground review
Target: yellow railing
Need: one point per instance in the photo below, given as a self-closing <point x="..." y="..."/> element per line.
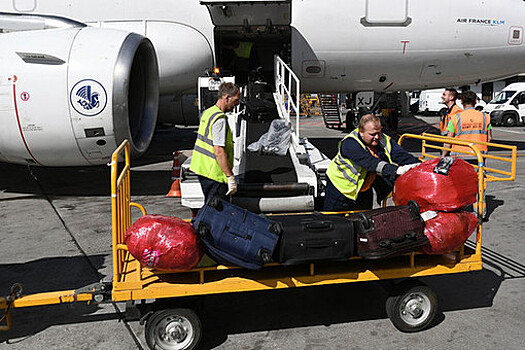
<point x="435" y="142"/>
<point x="121" y="209"/>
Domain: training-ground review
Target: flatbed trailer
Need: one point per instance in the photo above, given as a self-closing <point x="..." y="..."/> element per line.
<point x="411" y="305"/>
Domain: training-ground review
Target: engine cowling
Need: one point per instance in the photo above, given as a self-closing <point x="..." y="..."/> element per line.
<point x="70" y="96"/>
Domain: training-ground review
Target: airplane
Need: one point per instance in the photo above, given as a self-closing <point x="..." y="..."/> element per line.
<point x="77" y="78"/>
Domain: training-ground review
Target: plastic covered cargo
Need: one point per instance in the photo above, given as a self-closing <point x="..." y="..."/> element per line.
<point x="448" y="231"/>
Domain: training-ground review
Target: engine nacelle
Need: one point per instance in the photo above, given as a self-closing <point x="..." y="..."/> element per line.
<point x="71" y="96"/>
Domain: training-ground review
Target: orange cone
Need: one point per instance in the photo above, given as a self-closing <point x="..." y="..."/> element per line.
<point x="175" y="177"/>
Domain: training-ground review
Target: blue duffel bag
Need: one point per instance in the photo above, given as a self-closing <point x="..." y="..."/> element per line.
<point x="233" y="235"/>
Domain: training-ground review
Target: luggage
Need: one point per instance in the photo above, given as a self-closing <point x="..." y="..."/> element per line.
<point x="390" y="231"/>
<point x="444" y="184"/>
<point x="314" y="236"/>
<point x="233" y="235"/>
<point x="260" y="110"/>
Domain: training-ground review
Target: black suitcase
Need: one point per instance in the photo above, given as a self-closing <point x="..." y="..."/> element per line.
<point x="313" y="237"/>
<point x="390" y="231"/>
<point x="233" y="235"/>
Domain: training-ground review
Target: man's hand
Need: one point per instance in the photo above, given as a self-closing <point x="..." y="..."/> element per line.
<point x="232" y="186"/>
<point x="404" y="168"/>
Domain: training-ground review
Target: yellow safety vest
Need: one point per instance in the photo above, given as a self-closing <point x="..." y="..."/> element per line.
<point x="244" y="49"/>
<point x="345" y="175"/>
<point x="203" y="161"/>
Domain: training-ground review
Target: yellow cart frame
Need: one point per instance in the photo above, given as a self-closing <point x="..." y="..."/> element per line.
<point x="133" y="282"/>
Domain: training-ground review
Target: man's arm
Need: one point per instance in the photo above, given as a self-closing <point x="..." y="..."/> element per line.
<point x="352" y="150"/>
<point x="401" y="156"/>
<point x="448" y="146"/>
<point x="222" y="159"/>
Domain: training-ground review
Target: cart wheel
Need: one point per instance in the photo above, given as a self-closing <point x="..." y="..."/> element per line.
<point x="173" y="329"/>
<point x="412" y="308"/>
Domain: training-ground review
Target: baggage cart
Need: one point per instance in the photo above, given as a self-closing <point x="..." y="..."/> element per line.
<point x="411" y="305"/>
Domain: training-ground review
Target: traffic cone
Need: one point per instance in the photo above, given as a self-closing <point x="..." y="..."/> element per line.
<point x="175" y="177"/>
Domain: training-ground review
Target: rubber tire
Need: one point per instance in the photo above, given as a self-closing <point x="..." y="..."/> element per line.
<point x="508" y="119"/>
<point x="162" y="315"/>
<point x="394" y="304"/>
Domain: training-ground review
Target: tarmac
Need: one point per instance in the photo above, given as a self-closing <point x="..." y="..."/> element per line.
<point x="56" y="234"/>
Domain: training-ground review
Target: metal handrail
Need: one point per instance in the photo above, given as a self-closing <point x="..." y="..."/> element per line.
<point x="285" y="80"/>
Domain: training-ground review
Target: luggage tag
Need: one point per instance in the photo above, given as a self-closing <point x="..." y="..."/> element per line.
<point x="429" y="214"/>
<point x="443" y="166"/>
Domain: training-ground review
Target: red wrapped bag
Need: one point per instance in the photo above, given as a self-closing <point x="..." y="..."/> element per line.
<point x="163" y="242"/>
<point x="447" y="231"/>
<point x="433" y="191"/>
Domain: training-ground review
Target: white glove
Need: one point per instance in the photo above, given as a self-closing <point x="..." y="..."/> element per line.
<point x="232" y="186"/>
<point x="404" y="168"/>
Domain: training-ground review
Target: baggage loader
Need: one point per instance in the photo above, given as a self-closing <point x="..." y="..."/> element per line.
<point x="314" y="236"/>
<point x="389" y="231"/>
<point x="233" y="235"/>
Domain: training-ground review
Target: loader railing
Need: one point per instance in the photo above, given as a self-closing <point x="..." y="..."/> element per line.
<point x="435" y="142"/>
<point x="287" y="95"/>
<point x="121" y="211"/>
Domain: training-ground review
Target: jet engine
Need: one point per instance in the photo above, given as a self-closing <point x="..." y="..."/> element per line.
<point x="70" y="96"/>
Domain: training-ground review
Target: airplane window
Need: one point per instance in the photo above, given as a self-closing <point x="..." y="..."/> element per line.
<point x="503" y="97"/>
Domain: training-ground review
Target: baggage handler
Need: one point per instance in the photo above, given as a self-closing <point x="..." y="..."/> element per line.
<point x="449" y="99"/>
<point x="364" y="154"/>
<point x="469" y="125"/>
<point x="212" y="158"/>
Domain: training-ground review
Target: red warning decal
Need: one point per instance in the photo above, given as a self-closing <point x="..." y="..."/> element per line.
<point x="24" y="96"/>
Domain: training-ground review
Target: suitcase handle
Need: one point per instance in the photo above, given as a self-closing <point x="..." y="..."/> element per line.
<point x="386" y="243"/>
<point x="318" y="245"/>
<point x="317" y="226"/>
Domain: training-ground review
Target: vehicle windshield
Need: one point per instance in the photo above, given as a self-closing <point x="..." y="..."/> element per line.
<point x="503" y="97"/>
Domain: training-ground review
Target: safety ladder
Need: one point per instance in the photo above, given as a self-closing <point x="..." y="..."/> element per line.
<point x="330" y="110"/>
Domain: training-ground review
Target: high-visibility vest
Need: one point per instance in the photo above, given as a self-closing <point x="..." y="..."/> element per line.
<point x="244" y="49"/>
<point x="443" y="123"/>
<point x="203" y="161"/>
<point x="346" y="176"/>
<point x="470" y="125"/>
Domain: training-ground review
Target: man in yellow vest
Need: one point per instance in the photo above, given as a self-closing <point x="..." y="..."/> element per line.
<point x="448" y="99"/>
<point x="212" y="158"/>
<point x="366" y="159"/>
<point x="469" y="125"/>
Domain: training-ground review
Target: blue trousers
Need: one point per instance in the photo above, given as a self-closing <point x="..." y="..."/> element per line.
<point x="336" y="201"/>
<point x="212" y="188"/>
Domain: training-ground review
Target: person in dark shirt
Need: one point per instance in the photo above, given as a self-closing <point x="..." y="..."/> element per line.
<point x="366" y="159"/>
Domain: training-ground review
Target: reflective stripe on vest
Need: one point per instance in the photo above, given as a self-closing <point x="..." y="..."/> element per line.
<point x="470" y="125"/>
<point x="203" y="160"/>
<point x="244" y="49"/>
<point x="345" y="175"/>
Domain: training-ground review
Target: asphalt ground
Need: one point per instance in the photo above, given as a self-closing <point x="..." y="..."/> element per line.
<point x="55" y="234"/>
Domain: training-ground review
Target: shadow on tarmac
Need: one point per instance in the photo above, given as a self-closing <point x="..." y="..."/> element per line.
<point x="49" y="275"/>
<point x="326" y="305"/>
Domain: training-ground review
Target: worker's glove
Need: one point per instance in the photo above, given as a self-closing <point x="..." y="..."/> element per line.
<point x="404" y="168"/>
<point x="232" y="186"/>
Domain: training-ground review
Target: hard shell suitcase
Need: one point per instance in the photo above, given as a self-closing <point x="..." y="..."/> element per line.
<point x="389" y="231"/>
<point x="314" y="236"/>
<point x="233" y="235"/>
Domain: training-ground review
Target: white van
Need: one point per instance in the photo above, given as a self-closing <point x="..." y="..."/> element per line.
<point x="508" y="107"/>
<point x="430" y="102"/>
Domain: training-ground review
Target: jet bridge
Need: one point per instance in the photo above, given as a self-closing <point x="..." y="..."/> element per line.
<point x="268" y="183"/>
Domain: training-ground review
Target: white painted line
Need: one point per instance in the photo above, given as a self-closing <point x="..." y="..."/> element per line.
<point x="511" y="131"/>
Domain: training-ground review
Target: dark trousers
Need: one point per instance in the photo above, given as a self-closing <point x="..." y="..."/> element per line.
<point x="336" y="201"/>
<point x="212" y="188"/>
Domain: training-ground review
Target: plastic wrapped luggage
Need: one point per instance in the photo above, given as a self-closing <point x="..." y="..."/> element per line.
<point x="448" y="231"/>
<point x="314" y="236"/>
<point x="163" y="242"/>
<point x="389" y="231"/>
<point x="233" y="235"/>
<point x="444" y="184"/>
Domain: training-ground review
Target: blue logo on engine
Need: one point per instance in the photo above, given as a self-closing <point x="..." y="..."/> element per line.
<point x="88" y="97"/>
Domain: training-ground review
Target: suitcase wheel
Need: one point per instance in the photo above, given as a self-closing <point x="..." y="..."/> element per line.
<point x="265" y="256"/>
<point x="215" y="203"/>
<point x="275" y="228"/>
<point x="414" y="209"/>
<point x="203" y="230"/>
<point x="365" y="221"/>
